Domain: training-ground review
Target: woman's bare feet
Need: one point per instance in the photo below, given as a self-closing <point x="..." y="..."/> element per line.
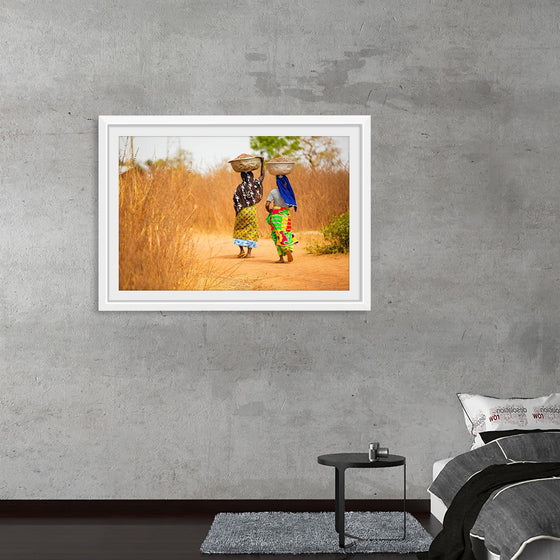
<point x="280" y="260"/>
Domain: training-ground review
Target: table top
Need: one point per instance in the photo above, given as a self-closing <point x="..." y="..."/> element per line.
<point x="360" y="461"/>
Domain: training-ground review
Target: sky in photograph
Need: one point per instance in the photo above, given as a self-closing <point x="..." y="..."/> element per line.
<point x="207" y="151"/>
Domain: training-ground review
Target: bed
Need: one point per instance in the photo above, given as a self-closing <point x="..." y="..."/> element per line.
<point x="508" y="486"/>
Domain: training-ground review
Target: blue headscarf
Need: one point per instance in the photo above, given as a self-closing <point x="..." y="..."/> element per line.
<point x="286" y="190"/>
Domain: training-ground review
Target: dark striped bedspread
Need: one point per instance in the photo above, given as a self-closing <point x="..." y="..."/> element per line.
<point x="519" y="513"/>
<point x="514" y="512"/>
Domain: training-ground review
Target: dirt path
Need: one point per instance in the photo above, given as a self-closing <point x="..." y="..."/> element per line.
<point x="261" y="272"/>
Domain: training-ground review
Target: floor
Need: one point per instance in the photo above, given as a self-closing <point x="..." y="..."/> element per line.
<point x="161" y="538"/>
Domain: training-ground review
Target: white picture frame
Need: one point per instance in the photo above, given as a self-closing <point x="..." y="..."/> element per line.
<point x="355" y="127"/>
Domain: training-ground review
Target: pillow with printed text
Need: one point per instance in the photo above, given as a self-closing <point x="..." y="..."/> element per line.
<point x="483" y="414"/>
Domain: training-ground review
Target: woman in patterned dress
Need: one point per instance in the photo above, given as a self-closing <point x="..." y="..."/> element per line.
<point x="246" y="227"/>
<point x="278" y="205"/>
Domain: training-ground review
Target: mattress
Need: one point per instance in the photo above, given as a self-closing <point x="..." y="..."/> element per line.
<point x="437" y="507"/>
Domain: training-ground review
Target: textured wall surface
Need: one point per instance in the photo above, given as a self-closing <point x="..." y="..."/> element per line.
<point x="464" y="99"/>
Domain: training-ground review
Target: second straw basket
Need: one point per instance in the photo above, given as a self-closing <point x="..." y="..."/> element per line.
<point x="280" y="166"/>
<point x="245" y="162"/>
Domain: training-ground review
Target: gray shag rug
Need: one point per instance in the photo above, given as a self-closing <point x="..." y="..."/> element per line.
<point x="278" y="532"/>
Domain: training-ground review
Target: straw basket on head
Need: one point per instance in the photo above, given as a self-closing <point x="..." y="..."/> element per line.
<point x="245" y="162"/>
<point x="280" y="166"/>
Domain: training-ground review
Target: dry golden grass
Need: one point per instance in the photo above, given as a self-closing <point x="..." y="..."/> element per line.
<point x="162" y="211"/>
<point x="156" y="247"/>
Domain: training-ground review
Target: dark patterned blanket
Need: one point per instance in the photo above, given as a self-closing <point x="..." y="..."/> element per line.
<point x="519" y="513"/>
<point x="507" y="492"/>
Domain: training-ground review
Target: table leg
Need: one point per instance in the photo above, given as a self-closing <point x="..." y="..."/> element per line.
<point x="339" y="505"/>
<point x="404" y="499"/>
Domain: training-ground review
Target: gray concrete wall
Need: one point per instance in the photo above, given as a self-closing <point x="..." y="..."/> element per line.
<point x="464" y="99"/>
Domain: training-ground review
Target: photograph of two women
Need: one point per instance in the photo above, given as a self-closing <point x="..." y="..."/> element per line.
<point x="233" y="213"/>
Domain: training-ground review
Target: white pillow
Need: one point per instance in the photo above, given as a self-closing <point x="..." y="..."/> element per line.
<point x="483" y="414"/>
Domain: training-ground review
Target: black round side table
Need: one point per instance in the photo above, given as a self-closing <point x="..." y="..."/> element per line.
<point x="343" y="461"/>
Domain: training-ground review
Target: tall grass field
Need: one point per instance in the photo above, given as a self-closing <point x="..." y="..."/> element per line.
<point x="164" y="210"/>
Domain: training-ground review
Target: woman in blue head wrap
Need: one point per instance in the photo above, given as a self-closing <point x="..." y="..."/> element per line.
<point x="278" y="204"/>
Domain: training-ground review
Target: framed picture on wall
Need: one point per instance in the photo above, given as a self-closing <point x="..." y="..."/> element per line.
<point x="234" y="213"/>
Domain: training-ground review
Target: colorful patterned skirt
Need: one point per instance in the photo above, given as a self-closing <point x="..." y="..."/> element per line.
<point x="246" y="227"/>
<point x="281" y="229"/>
